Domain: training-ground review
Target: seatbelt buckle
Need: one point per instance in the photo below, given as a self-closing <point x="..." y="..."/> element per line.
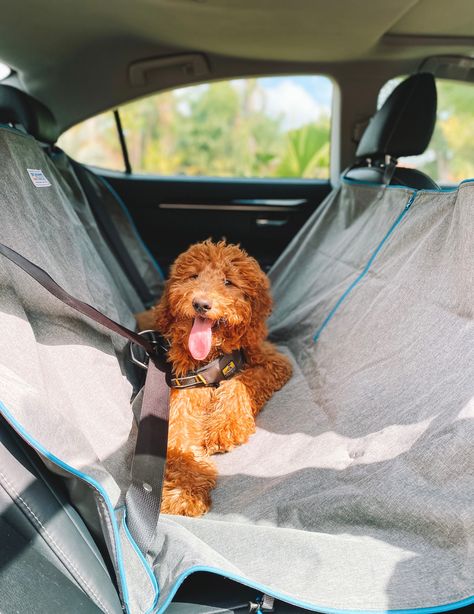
<point x="263" y="604"/>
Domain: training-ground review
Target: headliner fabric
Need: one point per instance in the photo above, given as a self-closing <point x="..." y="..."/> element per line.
<point x="356" y="490"/>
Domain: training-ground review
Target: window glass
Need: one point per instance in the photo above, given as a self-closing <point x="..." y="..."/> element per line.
<point x="259" y="127"/>
<point x="5" y="71"/>
<point x="254" y="127"/>
<point x="95" y="142"/>
<point x="449" y="157"/>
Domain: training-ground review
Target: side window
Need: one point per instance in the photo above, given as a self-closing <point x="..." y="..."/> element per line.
<point x="255" y="127"/>
<point x="95" y="142"/>
<point x="449" y="157"/>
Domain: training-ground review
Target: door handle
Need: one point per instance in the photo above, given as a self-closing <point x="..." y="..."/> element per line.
<point x="263" y="221"/>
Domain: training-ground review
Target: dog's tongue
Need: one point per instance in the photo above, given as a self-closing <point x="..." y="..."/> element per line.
<point x="200" y="338"/>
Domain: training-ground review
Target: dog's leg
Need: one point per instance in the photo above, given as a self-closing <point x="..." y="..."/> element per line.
<point x="146" y="320"/>
<point x="237" y="401"/>
<point x="188" y="484"/>
<point x="230" y="421"/>
<point x="188" y="410"/>
<point x="267" y="372"/>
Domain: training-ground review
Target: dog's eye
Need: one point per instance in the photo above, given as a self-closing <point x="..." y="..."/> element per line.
<point x="227" y="282"/>
<point x="194" y="276"/>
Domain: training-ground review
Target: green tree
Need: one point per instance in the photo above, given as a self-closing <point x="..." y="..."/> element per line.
<point x="453" y="140"/>
<point x="307" y="152"/>
<point x="221" y="128"/>
<point x="224" y="133"/>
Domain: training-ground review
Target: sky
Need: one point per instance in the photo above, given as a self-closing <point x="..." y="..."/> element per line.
<point x="296" y="100"/>
<point x="299" y="100"/>
<point x="318" y="87"/>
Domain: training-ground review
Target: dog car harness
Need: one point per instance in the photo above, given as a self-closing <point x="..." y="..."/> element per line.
<point x="211" y="375"/>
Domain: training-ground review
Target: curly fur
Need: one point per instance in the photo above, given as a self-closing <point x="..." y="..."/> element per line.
<point x="204" y="421"/>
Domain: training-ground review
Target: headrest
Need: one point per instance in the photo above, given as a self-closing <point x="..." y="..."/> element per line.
<point x="404" y="124"/>
<point x="16" y="107"/>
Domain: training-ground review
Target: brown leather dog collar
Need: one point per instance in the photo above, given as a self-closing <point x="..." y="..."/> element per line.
<point x="212" y="374"/>
<point x="222" y="368"/>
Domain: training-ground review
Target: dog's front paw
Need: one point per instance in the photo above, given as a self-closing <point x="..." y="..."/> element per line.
<point x="181" y="502"/>
<point x="218" y="447"/>
<point x="188" y="484"/>
<point x="227" y="437"/>
<point x="283" y="369"/>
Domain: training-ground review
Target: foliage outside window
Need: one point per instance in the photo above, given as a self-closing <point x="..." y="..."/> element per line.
<point x="95" y="142"/>
<point x="257" y="127"/>
<point x="449" y="157"/>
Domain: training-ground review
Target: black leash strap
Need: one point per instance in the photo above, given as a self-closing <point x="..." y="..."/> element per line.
<point x="143" y="497"/>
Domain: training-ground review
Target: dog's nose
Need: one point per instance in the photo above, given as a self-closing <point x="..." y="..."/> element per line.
<point x="202" y="305"/>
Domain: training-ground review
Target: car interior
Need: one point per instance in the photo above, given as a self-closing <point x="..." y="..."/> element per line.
<point x="355" y="494"/>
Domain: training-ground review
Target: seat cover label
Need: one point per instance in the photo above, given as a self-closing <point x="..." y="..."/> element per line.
<point x="38" y="178"/>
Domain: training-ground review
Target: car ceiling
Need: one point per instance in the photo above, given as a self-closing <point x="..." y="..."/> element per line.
<point x="75" y="55"/>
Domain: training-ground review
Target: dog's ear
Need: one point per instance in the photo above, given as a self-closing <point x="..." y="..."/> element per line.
<point x="261" y="302"/>
<point x="162" y="314"/>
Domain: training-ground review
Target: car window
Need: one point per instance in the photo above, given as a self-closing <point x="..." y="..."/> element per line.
<point x="253" y="127"/>
<point x="5" y="71"/>
<point x="95" y="142"/>
<point x="449" y="157"/>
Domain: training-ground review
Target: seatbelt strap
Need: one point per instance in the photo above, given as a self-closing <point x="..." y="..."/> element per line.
<point x="111" y="234"/>
<point x="143" y="498"/>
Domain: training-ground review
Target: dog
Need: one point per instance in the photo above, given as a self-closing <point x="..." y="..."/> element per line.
<point x="215" y="303"/>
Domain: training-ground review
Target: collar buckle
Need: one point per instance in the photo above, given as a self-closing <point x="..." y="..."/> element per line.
<point x="212" y="374"/>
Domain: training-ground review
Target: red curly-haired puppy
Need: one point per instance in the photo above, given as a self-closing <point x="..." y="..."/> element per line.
<point x="215" y="303"/>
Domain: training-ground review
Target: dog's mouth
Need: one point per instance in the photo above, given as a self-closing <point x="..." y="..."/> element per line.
<point x="200" y="338"/>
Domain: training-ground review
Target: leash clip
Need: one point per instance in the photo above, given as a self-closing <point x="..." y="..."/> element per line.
<point x="140" y="357"/>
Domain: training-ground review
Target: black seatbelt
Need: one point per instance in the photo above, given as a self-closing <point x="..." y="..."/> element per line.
<point x="110" y="233"/>
<point x="143" y="497"/>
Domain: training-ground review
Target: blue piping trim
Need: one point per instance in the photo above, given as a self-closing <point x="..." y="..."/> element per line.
<point x="86" y="478"/>
<point x="454" y="188"/>
<point x="371" y="184"/>
<point x="366" y="268"/>
<point x="437" y="609"/>
<point x="144" y="562"/>
<point x="124" y="208"/>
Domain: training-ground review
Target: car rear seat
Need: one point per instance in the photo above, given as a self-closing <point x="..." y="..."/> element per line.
<point x="35" y="509"/>
<point x="43" y="537"/>
<point x="121" y="313"/>
<point x="116" y="226"/>
<point x="402" y="127"/>
<point x="45" y="543"/>
<point x="101" y="210"/>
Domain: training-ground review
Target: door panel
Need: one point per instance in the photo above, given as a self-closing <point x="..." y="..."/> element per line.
<point x="173" y="212"/>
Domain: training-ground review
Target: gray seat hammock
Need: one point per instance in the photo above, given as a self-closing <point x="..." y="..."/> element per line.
<point x="356" y="492"/>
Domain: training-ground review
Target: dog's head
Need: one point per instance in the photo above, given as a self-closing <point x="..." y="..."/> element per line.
<point x="216" y="300"/>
